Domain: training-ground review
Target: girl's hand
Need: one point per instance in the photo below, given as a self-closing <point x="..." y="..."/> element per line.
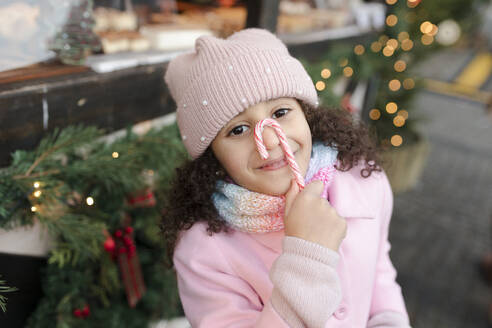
<point x="310" y="217"/>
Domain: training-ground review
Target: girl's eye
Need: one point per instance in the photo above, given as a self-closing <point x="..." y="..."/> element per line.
<point x="238" y="130"/>
<point x="281" y="112"/>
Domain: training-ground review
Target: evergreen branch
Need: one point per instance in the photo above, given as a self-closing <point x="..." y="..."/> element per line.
<point x="36" y="175"/>
<point x="3" y="299"/>
<point x="66" y="139"/>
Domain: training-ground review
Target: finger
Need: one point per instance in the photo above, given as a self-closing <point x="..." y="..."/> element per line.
<point x="291" y="195"/>
<point x="315" y="187"/>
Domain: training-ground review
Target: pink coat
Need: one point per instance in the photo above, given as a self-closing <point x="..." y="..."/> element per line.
<point x="223" y="279"/>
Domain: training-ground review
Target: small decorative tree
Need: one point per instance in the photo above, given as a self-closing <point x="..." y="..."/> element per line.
<point x="76" y="40"/>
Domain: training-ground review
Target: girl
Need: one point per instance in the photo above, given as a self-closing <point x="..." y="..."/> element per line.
<point x="250" y="248"/>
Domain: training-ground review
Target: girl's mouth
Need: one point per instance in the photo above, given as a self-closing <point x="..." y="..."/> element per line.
<point x="275" y="166"/>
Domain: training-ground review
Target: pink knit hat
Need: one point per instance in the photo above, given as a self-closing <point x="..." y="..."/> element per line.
<point x="223" y="77"/>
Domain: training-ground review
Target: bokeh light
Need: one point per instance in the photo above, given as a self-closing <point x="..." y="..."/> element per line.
<point x="396" y="140"/>
<point x="426" y="27"/>
<point x="348" y="71"/>
<point x="403" y="113"/>
<point x="374" y="114"/>
<point x="391" y="107"/>
<point x="403" y="36"/>
<point x="400" y="65"/>
<point x="427" y="39"/>
<point x="388" y="51"/>
<point x="376" y="46"/>
<point x="391" y="20"/>
<point x="399" y="121"/>
<point x="394" y="85"/>
<point x="325" y="73"/>
<point x="408" y="84"/>
<point x="359" y="49"/>
<point x="407" y="44"/>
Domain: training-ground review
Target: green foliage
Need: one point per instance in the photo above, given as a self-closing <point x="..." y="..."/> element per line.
<point x="381" y="69"/>
<point x="4" y="289"/>
<point x="56" y="180"/>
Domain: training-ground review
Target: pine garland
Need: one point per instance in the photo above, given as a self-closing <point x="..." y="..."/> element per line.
<point x="77" y="186"/>
<point x="4" y="289"/>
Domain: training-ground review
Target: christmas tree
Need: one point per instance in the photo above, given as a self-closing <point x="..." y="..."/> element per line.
<point x="410" y="34"/>
<point x="76" y="40"/>
<point x="102" y="204"/>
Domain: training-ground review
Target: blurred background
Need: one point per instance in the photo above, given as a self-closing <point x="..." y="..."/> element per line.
<point x="88" y="142"/>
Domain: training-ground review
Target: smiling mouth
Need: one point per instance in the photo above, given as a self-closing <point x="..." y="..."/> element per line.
<point x="276" y="165"/>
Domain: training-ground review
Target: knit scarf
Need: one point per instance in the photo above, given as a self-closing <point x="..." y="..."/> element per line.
<point x="254" y="212"/>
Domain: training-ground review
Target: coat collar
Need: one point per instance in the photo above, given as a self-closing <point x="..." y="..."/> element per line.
<point x="345" y="194"/>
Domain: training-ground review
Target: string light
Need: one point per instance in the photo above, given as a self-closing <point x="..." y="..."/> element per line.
<point x="403" y="113"/>
<point x="434" y="30"/>
<point x="374" y="114"/>
<point x="36" y="184"/>
<point x="426" y="27"/>
<point x="427" y="39"/>
<point x="399" y="121"/>
<point x="391" y="2"/>
<point x="115" y="154"/>
<point x="391" y="107"/>
<point x="412" y="3"/>
<point x="403" y="36"/>
<point x="408" y="84"/>
<point x="343" y="62"/>
<point x="376" y="46"/>
<point x="391" y="20"/>
<point x="90" y="201"/>
<point x="37" y="193"/>
<point x="396" y="140"/>
<point x="34" y="208"/>
<point x="320" y="85"/>
<point x="325" y="73"/>
<point x="348" y="71"/>
<point x="383" y="39"/>
<point x="407" y="44"/>
<point x="393" y="43"/>
<point x="394" y="85"/>
<point x="359" y="49"/>
<point x="388" y="51"/>
<point x="400" y="65"/>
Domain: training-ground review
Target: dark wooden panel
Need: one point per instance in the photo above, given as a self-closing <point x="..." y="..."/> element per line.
<point x="111" y="101"/>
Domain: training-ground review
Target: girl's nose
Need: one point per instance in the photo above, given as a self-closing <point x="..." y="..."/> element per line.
<point x="270" y="138"/>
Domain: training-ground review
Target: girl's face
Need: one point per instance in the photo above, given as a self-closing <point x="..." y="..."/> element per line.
<point x="235" y="147"/>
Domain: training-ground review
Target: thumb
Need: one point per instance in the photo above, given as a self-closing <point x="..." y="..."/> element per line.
<point x="290" y="196"/>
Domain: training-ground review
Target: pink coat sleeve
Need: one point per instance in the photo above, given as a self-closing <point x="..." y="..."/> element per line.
<point x="387" y="298"/>
<point x="213" y="296"/>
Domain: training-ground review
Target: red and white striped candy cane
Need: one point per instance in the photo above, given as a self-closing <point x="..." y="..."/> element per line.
<point x="283" y="143"/>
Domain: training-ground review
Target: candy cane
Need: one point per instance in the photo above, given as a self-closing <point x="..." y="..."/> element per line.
<point x="283" y="143"/>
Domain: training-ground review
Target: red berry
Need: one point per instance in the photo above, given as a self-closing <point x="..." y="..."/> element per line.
<point x="86" y="311"/>
<point x="122" y="250"/>
<point x="77" y="313"/>
<point x="128" y="230"/>
<point x="109" y="245"/>
<point x="118" y="233"/>
<point x="127" y="241"/>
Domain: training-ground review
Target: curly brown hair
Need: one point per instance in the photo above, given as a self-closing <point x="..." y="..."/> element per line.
<point x="189" y="193"/>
